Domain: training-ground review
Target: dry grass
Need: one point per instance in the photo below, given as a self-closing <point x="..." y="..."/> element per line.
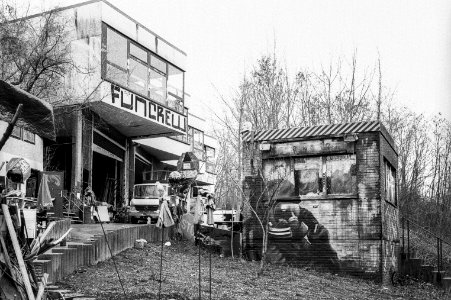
<point x="231" y="279"/>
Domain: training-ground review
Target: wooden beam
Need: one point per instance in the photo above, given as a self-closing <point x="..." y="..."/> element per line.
<point x="42" y="285"/>
<point x="10" y="127"/>
<point x="18" y="252"/>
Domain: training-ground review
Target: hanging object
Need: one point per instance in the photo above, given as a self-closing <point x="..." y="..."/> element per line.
<point x="18" y="170"/>
<point x="164" y="218"/>
<point x="44" y="196"/>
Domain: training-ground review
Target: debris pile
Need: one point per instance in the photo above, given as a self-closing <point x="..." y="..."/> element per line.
<point x="18" y="248"/>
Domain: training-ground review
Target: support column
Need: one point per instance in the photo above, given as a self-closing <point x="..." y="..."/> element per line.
<point x="129" y="170"/>
<point x="77" y="157"/>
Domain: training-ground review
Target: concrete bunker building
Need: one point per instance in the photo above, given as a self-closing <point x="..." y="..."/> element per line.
<point x="331" y="195"/>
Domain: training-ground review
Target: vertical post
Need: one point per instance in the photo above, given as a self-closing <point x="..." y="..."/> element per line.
<point x="11" y="124"/>
<point x="403" y="242"/>
<point x="408" y="238"/>
<point x="77" y="150"/>
<point x="161" y="259"/>
<point x="200" y="291"/>
<point x="438" y="255"/>
<point x="210" y="266"/>
<point x="18" y="252"/>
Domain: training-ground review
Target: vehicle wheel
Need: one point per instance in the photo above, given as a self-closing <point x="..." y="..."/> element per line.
<point x="397" y="279"/>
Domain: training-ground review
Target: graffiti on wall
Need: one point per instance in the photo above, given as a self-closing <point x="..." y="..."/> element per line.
<point x="296" y="237"/>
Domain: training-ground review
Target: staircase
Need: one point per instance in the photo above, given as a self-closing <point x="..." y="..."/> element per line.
<point x="424" y="255"/>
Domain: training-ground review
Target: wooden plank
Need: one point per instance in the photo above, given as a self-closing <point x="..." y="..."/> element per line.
<point x="42" y="285"/>
<point x="18" y="252"/>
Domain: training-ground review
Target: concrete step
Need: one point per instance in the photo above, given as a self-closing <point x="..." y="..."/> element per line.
<point x="446" y="284"/>
<point x="437" y="277"/>
<point x="426" y="273"/>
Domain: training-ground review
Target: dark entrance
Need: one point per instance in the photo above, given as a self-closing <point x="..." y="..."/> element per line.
<point x="105" y="178"/>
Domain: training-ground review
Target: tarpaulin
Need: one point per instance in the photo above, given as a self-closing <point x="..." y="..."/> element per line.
<point x="37" y="115"/>
<point x="44" y="196"/>
<point x="165" y="217"/>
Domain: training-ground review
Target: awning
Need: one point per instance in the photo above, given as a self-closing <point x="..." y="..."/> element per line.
<point x="136" y="116"/>
<point x="37" y="115"/>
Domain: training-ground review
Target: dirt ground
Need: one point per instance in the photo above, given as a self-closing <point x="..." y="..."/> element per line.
<point x="231" y="279"/>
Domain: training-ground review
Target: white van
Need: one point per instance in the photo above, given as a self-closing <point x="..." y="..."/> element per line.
<point x="145" y="203"/>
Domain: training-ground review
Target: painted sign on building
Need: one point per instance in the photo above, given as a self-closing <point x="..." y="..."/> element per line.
<point x="312" y="147"/>
<point x="146" y="108"/>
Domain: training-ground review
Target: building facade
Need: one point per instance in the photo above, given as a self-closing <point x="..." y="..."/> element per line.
<point x="27" y="145"/>
<point x="126" y="118"/>
<point x="331" y="196"/>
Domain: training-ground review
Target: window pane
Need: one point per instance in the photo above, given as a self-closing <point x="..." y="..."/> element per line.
<point x="17" y="132"/>
<point x="116" y="49"/>
<point x="138" y="52"/>
<point x="279" y="178"/>
<point x="28" y="136"/>
<point x="157" y="86"/>
<point x="138" y="77"/>
<point x="308" y="172"/>
<point x="341" y="173"/>
<point x="116" y="75"/>
<point x="175" y="81"/>
<point x="390" y="181"/>
<point x="175" y="103"/>
<point x="210" y="152"/>
<point x="198" y="139"/>
<point x="158" y="64"/>
<point x="189" y="135"/>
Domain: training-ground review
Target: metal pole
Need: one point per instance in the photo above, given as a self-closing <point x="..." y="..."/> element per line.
<point x="210" y="258"/>
<point x="161" y="259"/>
<point x="198" y="244"/>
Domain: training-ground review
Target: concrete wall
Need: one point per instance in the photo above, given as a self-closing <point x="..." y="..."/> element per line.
<point x="64" y="260"/>
<point x="390" y="215"/>
<point x="345" y="233"/>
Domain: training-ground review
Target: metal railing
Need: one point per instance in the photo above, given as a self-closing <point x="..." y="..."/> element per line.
<point x="419" y="242"/>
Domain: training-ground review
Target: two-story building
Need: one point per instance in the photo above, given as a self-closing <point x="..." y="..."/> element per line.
<point x="126" y="119"/>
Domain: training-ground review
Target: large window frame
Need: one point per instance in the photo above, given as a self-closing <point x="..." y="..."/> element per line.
<point x="391" y="186"/>
<point x="336" y="175"/>
<point x="155" y="65"/>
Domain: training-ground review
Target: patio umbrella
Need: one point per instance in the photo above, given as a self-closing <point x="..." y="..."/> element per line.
<point x="20" y="108"/>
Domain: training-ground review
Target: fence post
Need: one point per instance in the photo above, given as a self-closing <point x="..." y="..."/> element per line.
<point x="438" y="255"/>
<point x="441" y="254"/>
<point x="408" y="238"/>
<point x="402" y="227"/>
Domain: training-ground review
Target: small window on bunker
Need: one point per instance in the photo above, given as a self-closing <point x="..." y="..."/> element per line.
<point x="308" y="174"/>
<point x="390" y="183"/>
<point x="341" y="174"/>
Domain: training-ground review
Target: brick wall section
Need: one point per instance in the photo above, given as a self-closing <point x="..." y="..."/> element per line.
<point x="390" y="215"/>
<point x="354" y="226"/>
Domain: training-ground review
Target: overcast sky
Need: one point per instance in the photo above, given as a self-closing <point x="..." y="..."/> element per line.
<point x="224" y="39"/>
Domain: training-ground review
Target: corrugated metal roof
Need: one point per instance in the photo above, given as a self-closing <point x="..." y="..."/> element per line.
<point x="321" y="130"/>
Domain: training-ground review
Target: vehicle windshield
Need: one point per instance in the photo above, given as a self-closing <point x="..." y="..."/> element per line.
<point x="146" y="191"/>
<point x="149" y="191"/>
